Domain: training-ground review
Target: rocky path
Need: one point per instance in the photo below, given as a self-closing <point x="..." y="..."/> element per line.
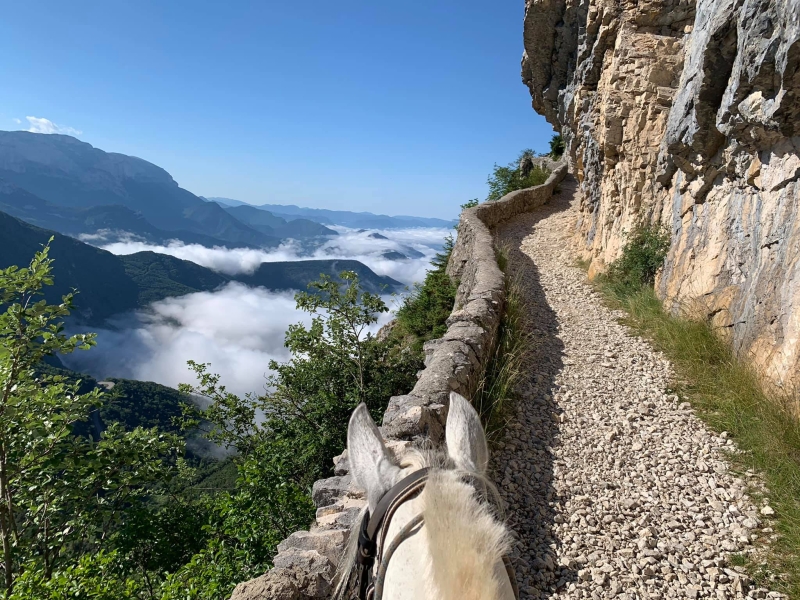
<point x="614" y="488"/>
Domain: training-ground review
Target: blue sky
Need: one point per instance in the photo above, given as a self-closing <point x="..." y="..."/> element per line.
<point x="398" y="108"/>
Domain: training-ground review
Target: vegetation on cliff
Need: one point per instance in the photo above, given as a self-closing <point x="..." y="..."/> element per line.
<point x="518" y="175"/>
<point x="727" y="393"/>
<point x="557" y="147"/>
<point x="424" y="311"/>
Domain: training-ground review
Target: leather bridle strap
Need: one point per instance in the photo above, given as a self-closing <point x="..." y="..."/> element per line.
<point x="377" y="518"/>
<point x="372" y="524"/>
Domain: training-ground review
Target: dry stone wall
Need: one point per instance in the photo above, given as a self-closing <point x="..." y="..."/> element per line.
<point x="686" y="112"/>
<point x="306" y="560"/>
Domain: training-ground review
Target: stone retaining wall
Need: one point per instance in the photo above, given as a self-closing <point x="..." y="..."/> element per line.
<point x="306" y="560"/>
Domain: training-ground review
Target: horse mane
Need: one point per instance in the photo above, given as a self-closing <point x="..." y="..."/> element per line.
<point x="454" y="518"/>
<point x="465" y="540"/>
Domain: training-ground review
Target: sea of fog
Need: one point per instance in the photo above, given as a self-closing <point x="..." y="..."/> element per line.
<point x="237" y="329"/>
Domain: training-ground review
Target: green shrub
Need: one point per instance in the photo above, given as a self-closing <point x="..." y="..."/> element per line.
<point x="424" y="312"/>
<point x="642" y="256"/>
<point x="285" y="438"/>
<point x="62" y="493"/>
<point x="556" y="146"/>
<point x="504" y="180"/>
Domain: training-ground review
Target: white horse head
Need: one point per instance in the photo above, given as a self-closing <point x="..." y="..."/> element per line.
<point x="457" y="553"/>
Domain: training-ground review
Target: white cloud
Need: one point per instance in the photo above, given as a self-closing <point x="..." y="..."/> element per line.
<point x="42" y="125"/>
<point x="17" y="121"/>
<point x="237" y="329"/>
<point x="349" y="244"/>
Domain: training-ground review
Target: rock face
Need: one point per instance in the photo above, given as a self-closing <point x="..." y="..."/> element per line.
<point x="687" y="113"/>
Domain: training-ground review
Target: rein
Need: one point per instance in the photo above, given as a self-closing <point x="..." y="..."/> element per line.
<point x="369" y="587"/>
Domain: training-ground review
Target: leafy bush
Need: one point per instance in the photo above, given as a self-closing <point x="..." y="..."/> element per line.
<point x="515" y="176"/>
<point x="642" y="256"/>
<point x="424" y="312"/>
<point x="93" y="577"/>
<point x="61" y="494"/>
<point x="556" y="146"/>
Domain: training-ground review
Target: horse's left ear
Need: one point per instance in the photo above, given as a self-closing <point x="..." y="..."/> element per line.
<point x="371" y="464"/>
<point x="466" y="442"/>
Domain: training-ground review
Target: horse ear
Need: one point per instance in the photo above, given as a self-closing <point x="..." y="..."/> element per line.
<point x="371" y="464"/>
<point x="466" y="442"/>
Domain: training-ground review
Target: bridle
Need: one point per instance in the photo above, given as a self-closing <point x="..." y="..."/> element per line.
<point x="374" y="527"/>
<point x="369" y="587"/>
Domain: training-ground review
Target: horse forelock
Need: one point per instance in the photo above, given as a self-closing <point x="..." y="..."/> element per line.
<point x="458" y="520"/>
<point x="465" y="540"/>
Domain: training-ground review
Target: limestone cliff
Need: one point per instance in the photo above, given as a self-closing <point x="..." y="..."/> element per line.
<point x="686" y="112"/>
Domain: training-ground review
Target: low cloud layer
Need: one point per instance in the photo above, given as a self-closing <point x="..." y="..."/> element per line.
<point x="42" y="125"/>
<point x="348" y="244"/>
<point x="237" y="329"/>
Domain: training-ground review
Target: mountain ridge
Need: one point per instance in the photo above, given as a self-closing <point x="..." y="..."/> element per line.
<point x="110" y="284"/>
<point x="341" y="217"/>
<point x="67" y="172"/>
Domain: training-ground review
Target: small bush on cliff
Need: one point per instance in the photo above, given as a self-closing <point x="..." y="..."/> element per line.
<point x="642" y="257"/>
<point x="517" y="175"/>
<point x="556" y="146"/>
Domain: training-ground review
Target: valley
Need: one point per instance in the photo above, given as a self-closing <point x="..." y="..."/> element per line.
<point x="164" y="275"/>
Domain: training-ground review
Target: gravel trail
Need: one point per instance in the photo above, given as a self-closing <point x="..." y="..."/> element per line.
<point x="614" y="488"/>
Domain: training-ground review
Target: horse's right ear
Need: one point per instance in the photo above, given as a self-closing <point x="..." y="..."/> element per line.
<point x="466" y="442"/>
<point x="371" y="464"/>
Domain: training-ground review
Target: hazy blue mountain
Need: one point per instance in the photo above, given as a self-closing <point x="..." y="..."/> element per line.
<point x="225" y="201"/>
<point x="110" y="284"/>
<point x="71" y="221"/>
<point x="70" y="173"/>
<point x="345" y="218"/>
<point x="269" y="224"/>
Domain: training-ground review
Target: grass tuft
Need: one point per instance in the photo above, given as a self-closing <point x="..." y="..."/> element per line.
<point x="509" y="362"/>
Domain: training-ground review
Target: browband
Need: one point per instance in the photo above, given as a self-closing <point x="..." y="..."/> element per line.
<point x="372" y="524"/>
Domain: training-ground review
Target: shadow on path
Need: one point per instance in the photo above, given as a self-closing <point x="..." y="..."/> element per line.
<point x="523" y="461"/>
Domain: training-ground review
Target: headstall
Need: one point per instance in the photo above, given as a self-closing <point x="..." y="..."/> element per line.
<point x="372" y="533"/>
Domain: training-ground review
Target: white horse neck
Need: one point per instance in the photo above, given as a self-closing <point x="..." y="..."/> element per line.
<point x="456" y="555"/>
